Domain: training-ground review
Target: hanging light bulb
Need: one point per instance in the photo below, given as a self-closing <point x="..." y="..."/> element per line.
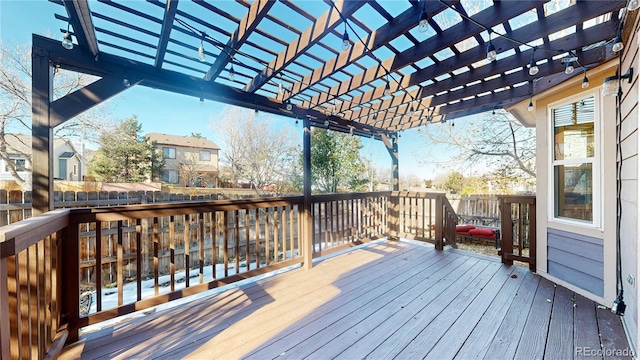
<point x="585" y="81"/>
<point x="533" y="67"/>
<point x="201" y="101"/>
<point x="201" y="55"/>
<point x="491" y="50"/>
<point x="412" y="110"/>
<point x="530" y="107"/>
<point x="633" y="5"/>
<point x="568" y="69"/>
<point x="617" y="43"/>
<point x="66" y="39"/>
<point x="387" y="89"/>
<point x="346" y="44"/>
<point x="126" y="82"/>
<point x="326" y="123"/>
<point x="232" y="73"/>
<point x="423" y="23"/>
<point x="280" y="88"/>
<point x="289" y="106"/>
<point x="351" y="131"/>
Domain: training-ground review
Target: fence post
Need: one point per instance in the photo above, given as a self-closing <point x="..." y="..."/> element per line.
<point x="439" y="222"/>
<point x="392" y="218"/>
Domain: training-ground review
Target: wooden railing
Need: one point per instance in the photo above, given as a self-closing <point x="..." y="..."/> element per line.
<point x="30" y="286"/>
<point x="344" y="220"/>
<point x="423" y="216"/>
<point x="71" y="268"/>
<point x="518" y="230"/>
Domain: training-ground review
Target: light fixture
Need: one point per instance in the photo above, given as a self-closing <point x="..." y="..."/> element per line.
<point x="423" y="22"/>
<point x="288" y="105"/>
<point x="611" y="85"/>
<point x="568" y="69"/>
<point x="201" y="55"/>
<point x="296" y="120"/>
<point x="493" y="112"/>
<point x="346" y="44"/>
<point x="326" y="123"/>
<point x="66" y="39"/>
<point x="412" y="110"/>
<point x="533" y="67"/>
<point x="232" y="73"/>
<point x="633" y="5"/>
<point x="617" y="43"/>
<point x="491" y="50"/>
<point x="387" y="88"/>
<point x="280" y="88"/>
<point x="351" y="131"/>
<point x="125" y="81"/>
<point x="585" y="81"/>
<point x="530" y="107"/>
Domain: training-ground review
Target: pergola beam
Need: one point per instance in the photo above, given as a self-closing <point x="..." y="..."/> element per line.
<point x="385" y="34"/>
<point x="165" y="32"/>
<point x="493" y="16"/>
<point x="527" y="33"/>
<point x="326" y="23"/>
<point x="83" y="29"/>
<point x="248" y="24"/>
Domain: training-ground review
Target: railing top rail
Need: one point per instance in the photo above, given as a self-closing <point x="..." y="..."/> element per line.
<point x="348" y="196"/>
<point x="142" y="211"/>
<point x="418" y="194"/>
<point x="525" y="199"/>
<point x="19" y="236"/>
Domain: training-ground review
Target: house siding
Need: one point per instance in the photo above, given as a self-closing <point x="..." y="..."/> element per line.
<point x="576" y="259"/>
<point x="629" y="225"/>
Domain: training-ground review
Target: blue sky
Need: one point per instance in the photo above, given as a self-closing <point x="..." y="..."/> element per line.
<point x="164" y="112"/>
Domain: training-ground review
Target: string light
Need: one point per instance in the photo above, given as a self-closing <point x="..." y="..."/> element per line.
<point x="201" y="55"/>
<point x="617" y="43"/>
<point x="232" y="73"/>
<point x="530" y="107"/>
<point x="288" y="105"/>
<point x="533" y="67"/>
<point x="423" y="22"/>
<point x="585" y="81"/>
<point x="66" y="39"/>
<point x="346" y="44"/>
<point x="326" y="123"/>
<point x="568" y="68"/>
<point x="633" y="5"/>
<point x="126" y="82"/>
<point x="387" y="88"/>
<point x="491" y="50"/>
<point x="280" y="88"/>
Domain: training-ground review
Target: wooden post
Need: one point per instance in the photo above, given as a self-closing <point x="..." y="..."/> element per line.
<point x="42" y="132"/>
<point x="307" y="225"/>
<point x="394" y="201"/>
<point x="439" y="222"/>
<point x="70" y="262"/>
<point x="506" y="231"/>
<point x="5" y="313"/>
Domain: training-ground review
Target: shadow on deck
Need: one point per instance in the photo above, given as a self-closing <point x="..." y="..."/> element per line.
<point x="384" y="300"/>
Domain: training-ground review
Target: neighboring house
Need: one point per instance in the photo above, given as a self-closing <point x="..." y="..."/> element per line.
<point x="189" y="161"/>
<point x="68" y="162"/>
<point x="580" y="211"/>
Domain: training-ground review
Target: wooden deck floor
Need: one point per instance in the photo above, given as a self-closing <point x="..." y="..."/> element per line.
<point x="383" y="301"/>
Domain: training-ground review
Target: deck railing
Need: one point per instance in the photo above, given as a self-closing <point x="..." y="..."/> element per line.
<point x="71" y="268"/>
<point x="424" y="216"/>
<point x="518" y="229"/>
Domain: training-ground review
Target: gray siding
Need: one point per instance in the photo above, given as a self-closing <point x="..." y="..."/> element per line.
<point x="576" y="259"/>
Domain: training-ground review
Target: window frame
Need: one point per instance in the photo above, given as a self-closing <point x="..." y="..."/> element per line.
<point x="169" y="148"/>
<point x="597" y="189"/>
<point x="205" y="152"/>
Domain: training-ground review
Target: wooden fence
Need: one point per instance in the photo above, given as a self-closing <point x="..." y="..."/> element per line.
<point x="518" y="230"/>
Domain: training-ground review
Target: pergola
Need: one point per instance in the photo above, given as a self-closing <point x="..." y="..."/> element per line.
<point x="370" y="68"/>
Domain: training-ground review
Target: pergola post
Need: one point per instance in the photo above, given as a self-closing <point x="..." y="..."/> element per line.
<point x="307" y="221"/>
<point x="42" y="132"/>
<point x="391" y="143"/>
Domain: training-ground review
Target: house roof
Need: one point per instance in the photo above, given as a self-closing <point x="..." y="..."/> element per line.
<point x="182" y="141"/>
<point x="285" y="57"/>
<point x="18" y="144"/>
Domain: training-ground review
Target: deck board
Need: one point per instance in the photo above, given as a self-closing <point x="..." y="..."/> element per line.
<point x="380" y="301"/>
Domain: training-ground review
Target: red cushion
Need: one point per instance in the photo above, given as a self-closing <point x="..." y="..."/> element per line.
<point x="464" y="228"/>
<point x="482" y="232"/>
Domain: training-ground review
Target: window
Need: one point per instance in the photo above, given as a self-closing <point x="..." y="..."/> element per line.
<point x="20" y="164"/>
<point x="205" y="155"/>
<point x="169" y="176"/>
<point x="169" y="153"/>
<point x="575" y="161"/>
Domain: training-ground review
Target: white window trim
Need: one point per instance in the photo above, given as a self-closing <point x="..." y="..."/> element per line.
<point x="598" y="176"/>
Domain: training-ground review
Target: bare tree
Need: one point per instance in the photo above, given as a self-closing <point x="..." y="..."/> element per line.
<point x="495" y="141"/>
<point x="15" y="106"/>
<point x="255" y="151"/>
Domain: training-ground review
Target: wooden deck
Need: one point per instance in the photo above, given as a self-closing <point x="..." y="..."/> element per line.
<point x="386" y="300"/>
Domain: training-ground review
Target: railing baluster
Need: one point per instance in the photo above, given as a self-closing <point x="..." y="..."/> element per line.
<point x="236" y="239"/>
<point x="119" y="267"/>
<point x="226" y="243"/>
<point x="172" y="252"/>
<point x="258" y="237"/>
<point x="98" y="270"/>
<point x="139" y="259"/>
<point x="156" y="240"/>
<point x="201" y="247"/>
